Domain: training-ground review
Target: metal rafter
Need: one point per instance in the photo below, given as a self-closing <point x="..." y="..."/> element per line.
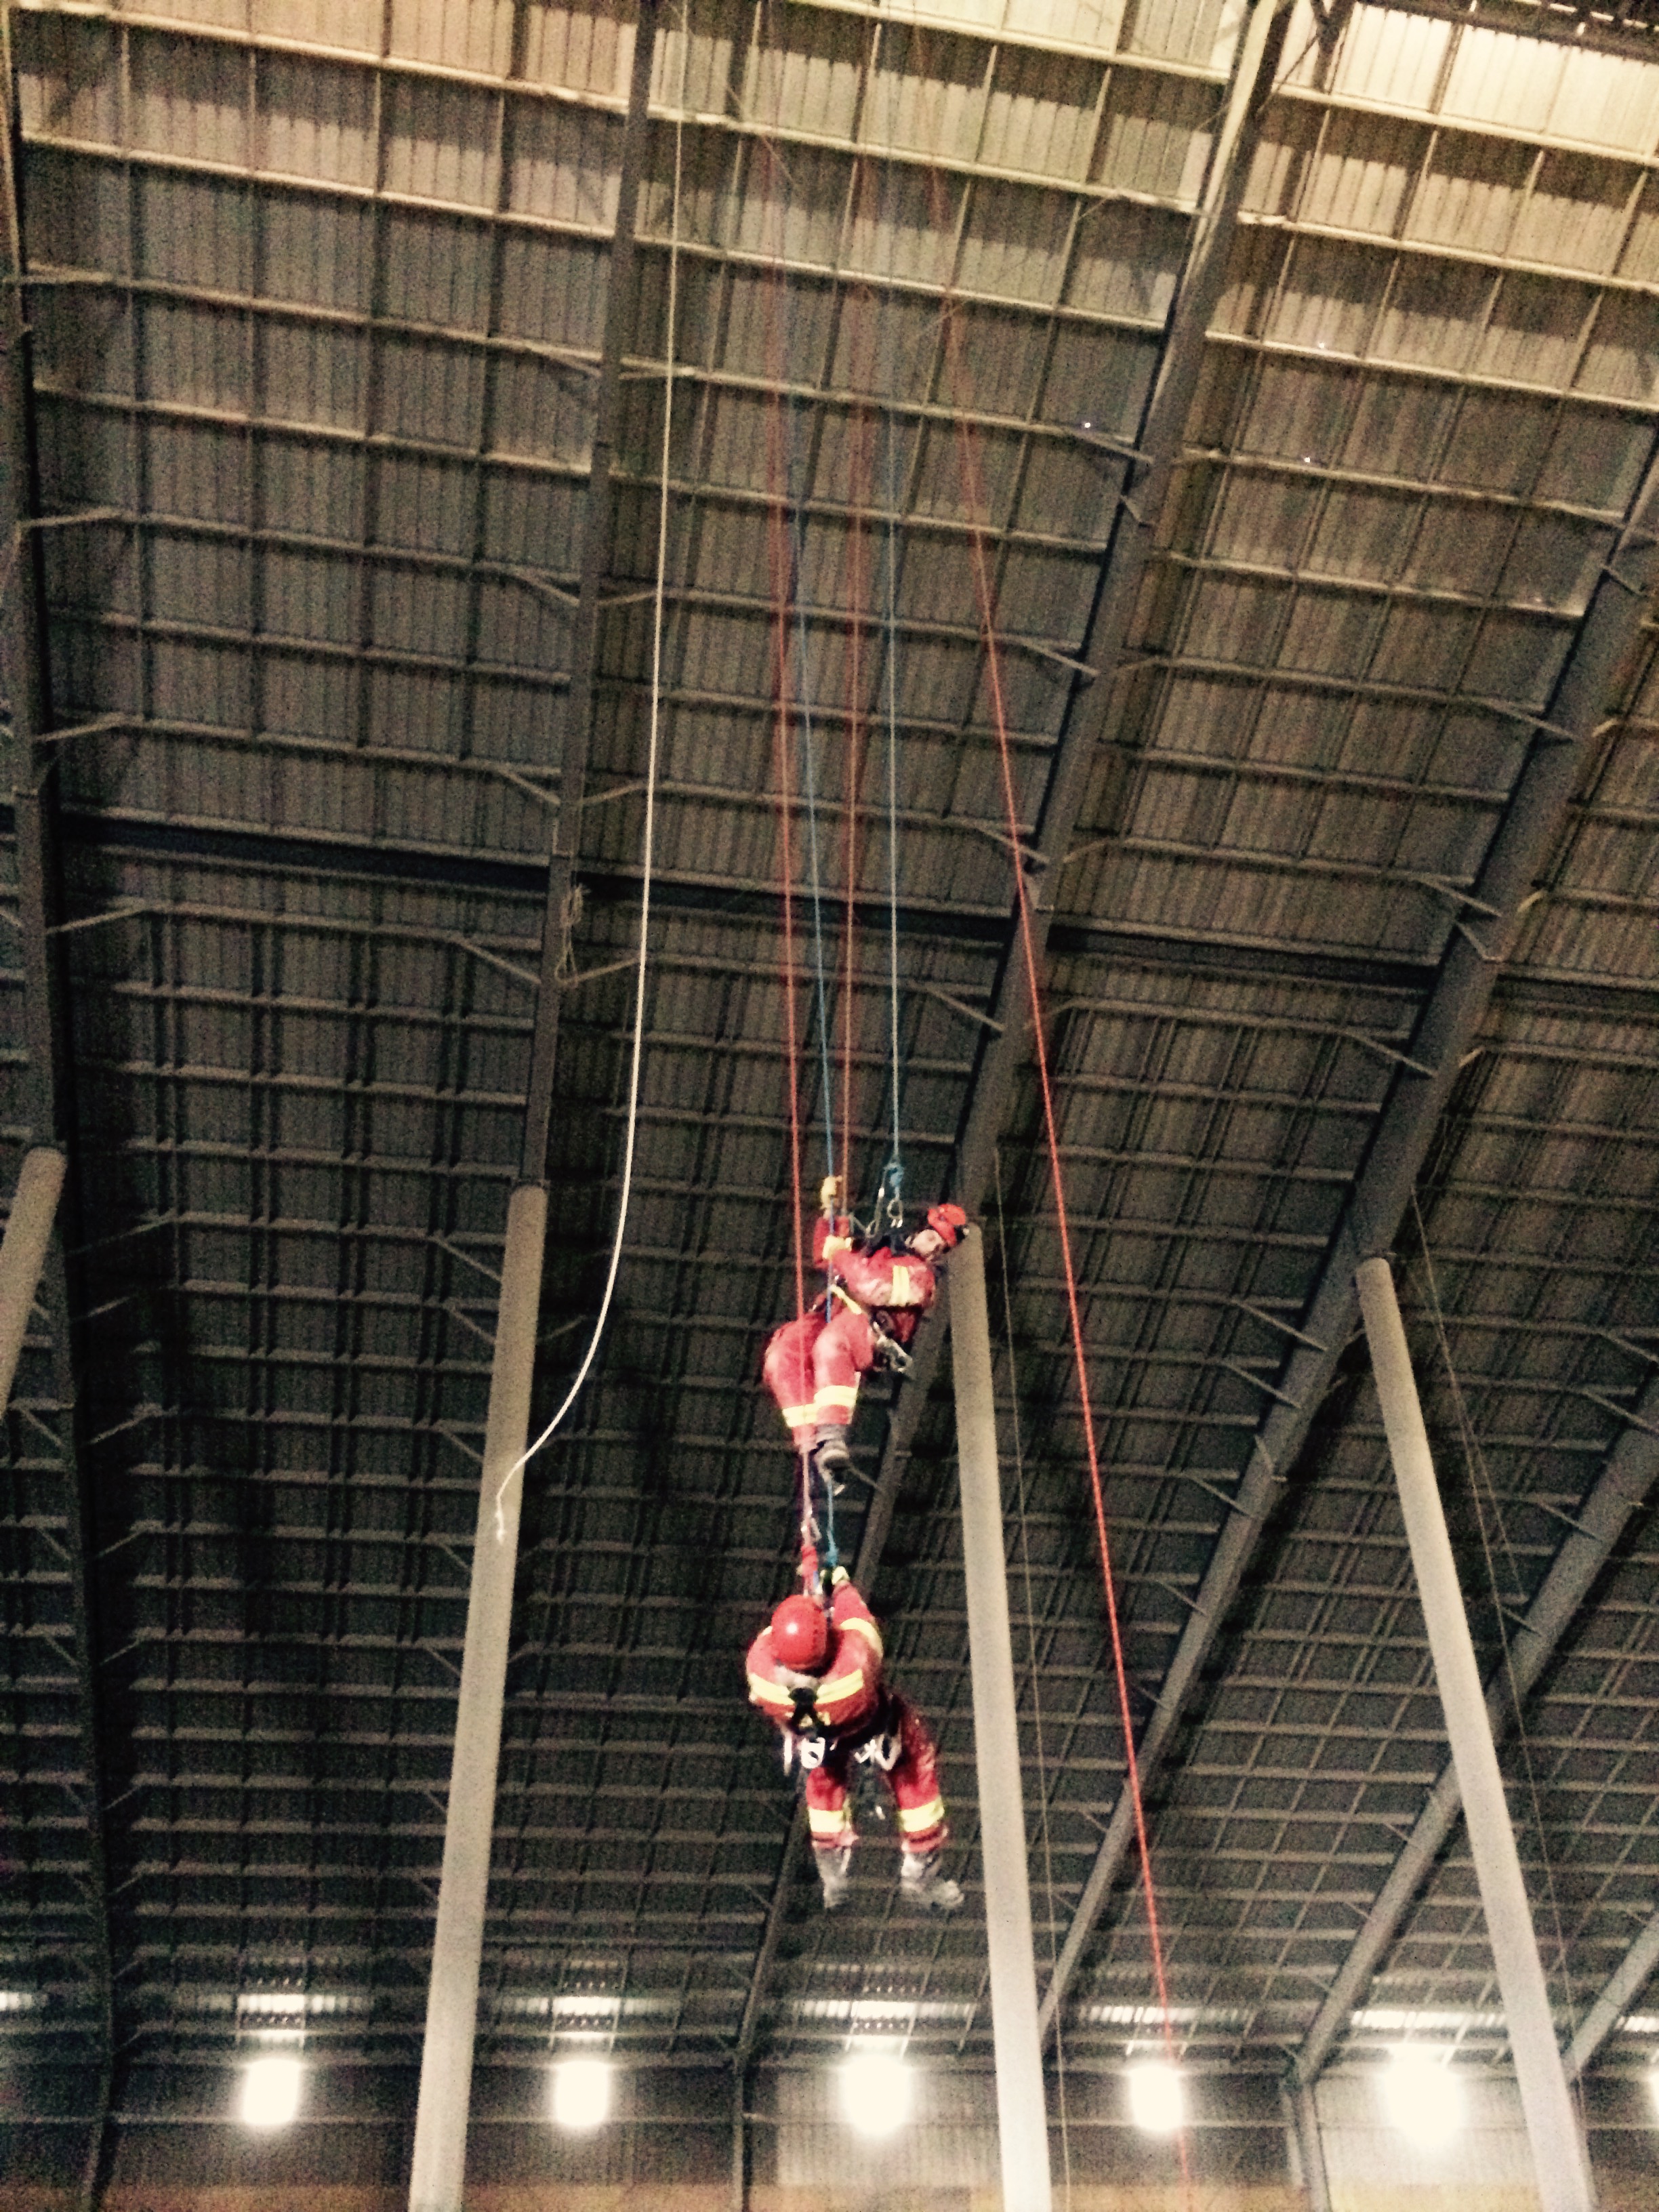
<point x="597" y="533"/>
<point x="1612" y="2000"/>
<point x="50" y="1103"/>
<point x="1451" y="1016"/>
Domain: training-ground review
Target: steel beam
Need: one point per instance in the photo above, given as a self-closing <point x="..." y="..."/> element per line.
<point x="1022" y="2109"/>
<point x="26" y="688"/>
<point x="1089" y="715"/>
<point x="1553" y="2134"/>
<point x="23" y="1254"/>
<point x="1612" y="2000"/>
<point x="1449" y="1021"/>
<point x="1632" y="1470"/>
<point x="1306" y="2146"/>
<point x="439" y="2170"/>
<point x="597" y="532"/>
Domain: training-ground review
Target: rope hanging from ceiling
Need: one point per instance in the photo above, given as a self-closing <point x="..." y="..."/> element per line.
<point x="648" y="852"/>
<point x="976" y="507"/>
<point x="984" y="591"/>
<point x="786" y="545"/>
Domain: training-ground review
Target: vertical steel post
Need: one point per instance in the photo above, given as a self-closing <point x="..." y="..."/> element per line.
<point x="1306" y="2149"/>
<point x="440" y="2119"/>
<point x="740" y="2140"/>
<point x="1557" y="2151"/>
<point x="1022" y="2108"/>
<point x="23" y="1253"/>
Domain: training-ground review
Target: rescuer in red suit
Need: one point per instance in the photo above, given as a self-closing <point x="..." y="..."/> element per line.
<point x="870" y="1311"/>
<point x="817" y="1673"/>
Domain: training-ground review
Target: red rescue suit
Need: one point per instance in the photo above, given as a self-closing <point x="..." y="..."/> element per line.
<point x="812" y="1365"/>
<point x="845" y="1716"/>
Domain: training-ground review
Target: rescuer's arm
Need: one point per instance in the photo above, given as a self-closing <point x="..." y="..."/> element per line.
<point x="851" y="1687"/>
<point x="764" y="1688"/>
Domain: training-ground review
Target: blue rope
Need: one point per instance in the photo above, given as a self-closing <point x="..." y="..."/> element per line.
<point x="892" y="1182"/>
<point x="809" y="746"/>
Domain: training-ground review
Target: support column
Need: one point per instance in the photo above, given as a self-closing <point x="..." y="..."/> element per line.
<point x="440" y="2119"/>
<point x="740" y="2140"/>
<point x="1307" y="2149"/>
<point x="1022" y="2108"/>
<point x="23" y="1253"/>
<point x="1557" y="2151"/>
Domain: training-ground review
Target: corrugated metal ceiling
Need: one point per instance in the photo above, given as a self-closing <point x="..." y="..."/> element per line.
<point x="317" y="301"/>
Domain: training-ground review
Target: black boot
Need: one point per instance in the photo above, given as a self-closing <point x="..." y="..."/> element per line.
<point x="830" y="1458"/>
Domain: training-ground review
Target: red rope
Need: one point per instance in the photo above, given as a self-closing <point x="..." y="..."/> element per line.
<point x="779" y="556"/>
<point x="983" y="591"/>
<point x="977" y="510"/>
<point x="861" y="470"/>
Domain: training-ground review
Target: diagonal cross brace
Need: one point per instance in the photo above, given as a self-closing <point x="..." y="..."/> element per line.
<point x="1450" y="1019"/>
<point x="1612" y="2000"/>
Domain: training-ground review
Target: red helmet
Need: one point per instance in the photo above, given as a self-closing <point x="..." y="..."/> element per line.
<point x="947" y="1221"/>
<point x="800" y="1635"/>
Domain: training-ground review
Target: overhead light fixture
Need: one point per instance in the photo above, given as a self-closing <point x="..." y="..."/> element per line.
<point x="270" y="2092"/>
<point x="581" y="2093"/>
<point x="1157" y="2102"/>
<point x="1424" y="2096"/>
<point x="876" y="2092"/>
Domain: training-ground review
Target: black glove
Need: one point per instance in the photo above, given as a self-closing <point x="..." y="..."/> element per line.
<point x="804" y="1720"/>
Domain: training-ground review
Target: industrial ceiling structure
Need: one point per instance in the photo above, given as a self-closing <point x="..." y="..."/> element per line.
<point x="1306" y="363"/>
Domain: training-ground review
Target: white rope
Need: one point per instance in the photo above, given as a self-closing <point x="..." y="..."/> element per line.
<point x="649" y="845"/>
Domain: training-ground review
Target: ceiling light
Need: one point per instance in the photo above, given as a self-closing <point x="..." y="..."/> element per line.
<point x="1424" y="2096"/>
<point x="270" y="2092"/>
<point x="875" y="2091"/>
<point x="1156" y="2101"/>
<point x="581" y="2093"/>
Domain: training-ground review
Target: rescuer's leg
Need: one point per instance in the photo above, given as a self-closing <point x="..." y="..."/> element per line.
<point x="923" y="1830"/>
<point x="842" y="1352"/>
<point x="829" y="1818"/>
<point x="789" y="1375"/>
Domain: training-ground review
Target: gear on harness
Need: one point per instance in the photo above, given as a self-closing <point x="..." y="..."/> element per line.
<point x="881" y="1751"/>
<point x="890" y="1353"/>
